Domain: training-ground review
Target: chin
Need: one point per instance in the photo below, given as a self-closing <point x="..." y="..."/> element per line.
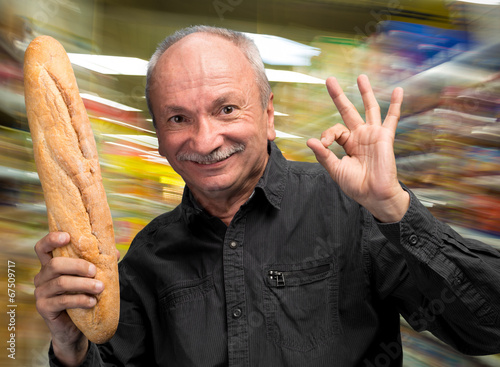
<point x="219" y="187"/>
<point x="208" y="185"/>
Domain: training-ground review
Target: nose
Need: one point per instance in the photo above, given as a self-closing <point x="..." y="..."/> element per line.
<point x="206" y="136"/>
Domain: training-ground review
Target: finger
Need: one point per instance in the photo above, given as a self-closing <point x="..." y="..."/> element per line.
<point x="324" y="156"/>
<point x="118" y="255"/>
<point x="346" y="109"/>
<point x="338" y="133"/>
<point x="394" y="112"/>
<point x="44" y="247"/>
<point x="51" y="308"/>
<point x="372" y="108"/>
<point x="58" y="266"/>
<point x="69" y="284"/>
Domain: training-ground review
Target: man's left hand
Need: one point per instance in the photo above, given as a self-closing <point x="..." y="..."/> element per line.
<point x="368" y="172"/>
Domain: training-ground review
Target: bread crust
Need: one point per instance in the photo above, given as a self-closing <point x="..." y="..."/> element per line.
<point x="68" y="167"/>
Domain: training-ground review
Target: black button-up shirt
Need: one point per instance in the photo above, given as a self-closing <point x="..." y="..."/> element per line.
<point x="302" y="276"/>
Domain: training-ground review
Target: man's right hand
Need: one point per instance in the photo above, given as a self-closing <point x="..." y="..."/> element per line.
<point x="64" y="283"/>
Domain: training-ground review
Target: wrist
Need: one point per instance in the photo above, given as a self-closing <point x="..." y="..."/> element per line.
<point x="391" y="210"/>
<point x="71" y="354"/>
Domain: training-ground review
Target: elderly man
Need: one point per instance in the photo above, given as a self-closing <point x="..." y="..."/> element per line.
<point x="268" y="262"/>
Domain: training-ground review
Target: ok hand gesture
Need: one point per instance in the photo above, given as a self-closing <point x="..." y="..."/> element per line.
<point x="368" y="172"/>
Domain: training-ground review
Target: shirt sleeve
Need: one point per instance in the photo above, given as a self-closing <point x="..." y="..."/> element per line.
<point x="445" y="284"/>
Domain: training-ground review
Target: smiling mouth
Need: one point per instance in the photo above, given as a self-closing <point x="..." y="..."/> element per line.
<point x="215" y="156"/>
<point x="210" y="162"/>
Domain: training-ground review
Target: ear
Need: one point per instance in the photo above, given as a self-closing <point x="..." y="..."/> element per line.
<point x="271" y="133"/>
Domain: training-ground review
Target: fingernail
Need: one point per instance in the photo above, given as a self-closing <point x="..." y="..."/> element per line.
<point x="99" y="286"/>
<point x="92" y="301"/>
<point x="62" y="237"/>
<point x="92" y="270"/>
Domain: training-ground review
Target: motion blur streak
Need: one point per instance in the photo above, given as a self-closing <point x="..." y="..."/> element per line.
<point x="443" y="53"/>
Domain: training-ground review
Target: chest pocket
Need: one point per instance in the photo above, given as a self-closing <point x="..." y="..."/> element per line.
<point x="301" y="304"/>
<point x="192" y="314"/>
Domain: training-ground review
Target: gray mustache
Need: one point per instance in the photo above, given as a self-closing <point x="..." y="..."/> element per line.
<point x="214" y="157"/>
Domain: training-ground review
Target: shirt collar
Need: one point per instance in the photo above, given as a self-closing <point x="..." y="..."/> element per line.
<point x="272" y="183"/>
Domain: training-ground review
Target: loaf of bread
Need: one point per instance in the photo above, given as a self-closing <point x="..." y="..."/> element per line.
<point x="68" y="166"/>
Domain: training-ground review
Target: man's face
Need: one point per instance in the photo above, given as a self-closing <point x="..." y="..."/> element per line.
<point x="210" y="122"/>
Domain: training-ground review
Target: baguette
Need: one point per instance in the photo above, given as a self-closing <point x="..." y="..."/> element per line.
<point x="68" y="167"/>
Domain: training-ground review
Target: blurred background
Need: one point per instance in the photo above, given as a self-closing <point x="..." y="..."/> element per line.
<point x="445" y="54"/>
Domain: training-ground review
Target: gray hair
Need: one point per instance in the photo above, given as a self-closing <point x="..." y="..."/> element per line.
<point x="246" y="45"/>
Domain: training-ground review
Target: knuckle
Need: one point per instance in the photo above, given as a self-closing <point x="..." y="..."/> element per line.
<point x="51" y="266"/>
<point x="52" y="237"/>
<point x="343" y="110"/>
<point x="38" y="248"/>
<point x="40" y="305"/>
<point x="45" y="308"/>
<point x="60" y="283"/>
<point x="36" y="280"/>
<point x="37" y="295"/>
<point x="65" y="300"/>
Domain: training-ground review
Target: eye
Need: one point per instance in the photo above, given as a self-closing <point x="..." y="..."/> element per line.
<point x="227" y="110"/>
<point x="177" y="119"/>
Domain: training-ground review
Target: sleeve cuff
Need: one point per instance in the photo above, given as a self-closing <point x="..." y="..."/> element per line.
<point x="416" y="230"/>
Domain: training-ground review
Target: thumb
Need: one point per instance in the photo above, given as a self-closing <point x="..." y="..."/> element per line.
<point x="324" y="155"/>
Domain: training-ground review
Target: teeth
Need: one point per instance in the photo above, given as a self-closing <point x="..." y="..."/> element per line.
<point x="214" y="161"/>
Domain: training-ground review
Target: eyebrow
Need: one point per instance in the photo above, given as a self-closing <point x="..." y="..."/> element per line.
<point x="225" y="98"/>
<point x="219" y="101"/>
<point x="173" y="110"/>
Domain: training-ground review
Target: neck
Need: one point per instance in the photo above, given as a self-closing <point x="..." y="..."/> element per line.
<point x="224" y="210"/>
<point x="222" y="205"/>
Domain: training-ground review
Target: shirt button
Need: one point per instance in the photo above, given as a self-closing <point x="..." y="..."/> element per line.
<point x="413" y="239"/>
<point x="233" y="244"/>
<point x="237" y="313"/>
